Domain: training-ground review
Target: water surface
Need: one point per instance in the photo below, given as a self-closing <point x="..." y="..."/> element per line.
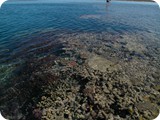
<point x="30" y="30"/>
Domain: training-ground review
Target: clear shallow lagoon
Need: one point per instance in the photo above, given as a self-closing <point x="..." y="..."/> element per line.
<point x="17" y="19"/>
<point x="29" y="30"/>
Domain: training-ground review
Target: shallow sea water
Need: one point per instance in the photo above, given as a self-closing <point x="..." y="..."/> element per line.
<point x="31" y="30"/>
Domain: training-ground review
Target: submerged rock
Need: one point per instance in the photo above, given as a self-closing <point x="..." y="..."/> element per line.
<point x="147" y="109"/>
<point x="87" y="77"/>
<point x="90" y="16"/>
<point x="100" y="63"/>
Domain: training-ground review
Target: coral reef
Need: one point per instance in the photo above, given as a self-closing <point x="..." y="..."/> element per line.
<point x="88" y="76"/>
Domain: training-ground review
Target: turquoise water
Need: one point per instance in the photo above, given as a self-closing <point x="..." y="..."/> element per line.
<point x="29" y="30"/>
